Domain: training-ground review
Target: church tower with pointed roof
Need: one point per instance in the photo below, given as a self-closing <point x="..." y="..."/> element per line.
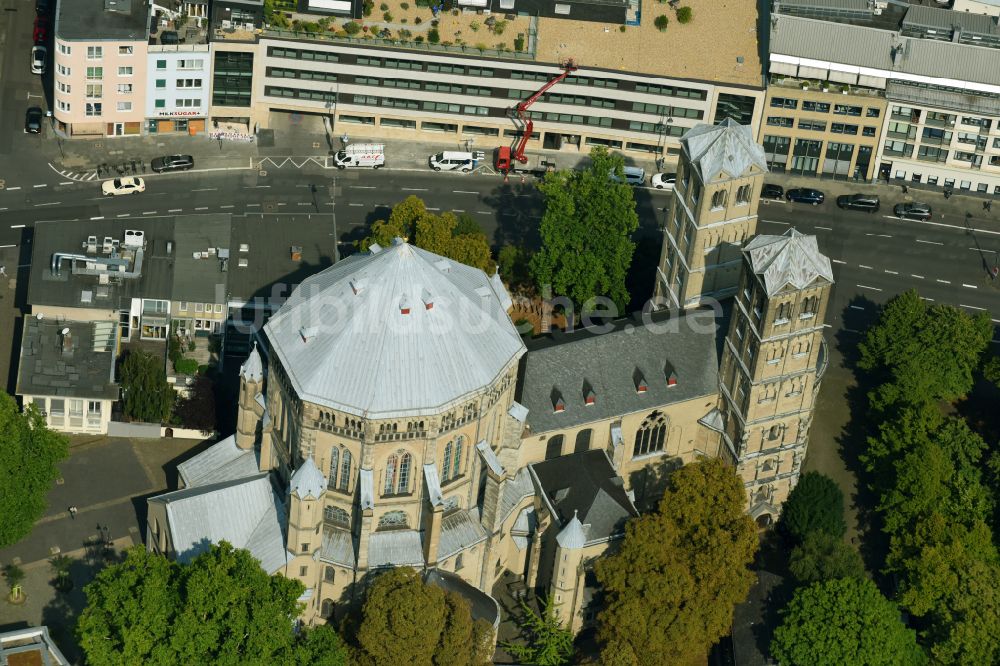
<point x="773" y="359"/>
<point x="251" y="402"/>
<point x="712" y="214"/>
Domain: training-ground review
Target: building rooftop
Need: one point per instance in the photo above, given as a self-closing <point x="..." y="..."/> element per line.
<point x="31" y="646"/>
<point x="97" y="20"/>
<point x="202" y="258"/>
<point x="614" y="366"/>
<point x="584" y="487"/>
<point x="68" y="358"/>
<point x="791" y="259"/>
<point x="723" y="151"/>
<point x="223" y="461"/>
<point x="396" y="332"/>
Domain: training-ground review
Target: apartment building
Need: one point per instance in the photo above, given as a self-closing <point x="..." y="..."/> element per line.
<point x="905" y="93"/>
<point x="394" y="83"/>
<point x="179" y="64"/>
<point x="100" y="67"/>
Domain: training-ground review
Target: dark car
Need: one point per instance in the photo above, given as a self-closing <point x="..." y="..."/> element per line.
<point x="33" y="120"/>
<point x="42" y="6"/>
<point x="172" y="163"/>
<point x="805" y="195"/>
<point x="912" y="211"/>
<point x="41" y="30"/>
<point x="866" y="202"/>
<point x="169" y="37"/>
<point x="776" y="192"/>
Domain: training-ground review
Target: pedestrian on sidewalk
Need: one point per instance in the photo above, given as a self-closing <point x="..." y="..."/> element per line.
<point x="72" y="512"/>
<point x="3" y="270"/>
<point x="905" y="189"/>
<point x="987" y="206"/>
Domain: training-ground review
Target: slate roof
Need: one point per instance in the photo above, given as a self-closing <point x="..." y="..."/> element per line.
<point x="202" y="278"/>
<point x="402" y="332"/>
<point x="338" y="547"/>
<point x="82" y="366"/>
<point x="459" y="530"/>
<point x="245" y="512"/>
<point x="585" y="486"/>
<point x="789" y="259"/>
<point x="223" y="461"/>
<point x="395" y="548"/>
<point x="726" y="150"/>
<point x="607" y="364"/>
<point x="307" y="481"/>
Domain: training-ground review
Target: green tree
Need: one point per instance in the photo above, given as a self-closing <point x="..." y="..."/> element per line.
<point x="29" y="458"/>
<point x="146" y="395"/>
<point x="920" y="353"/>
<point x="844" y="621"/>
<point x="661" y="22"/>
<point x="672" y="586"/>
<point x="586" y="246"/>
<point x="816" y="503"/>
<point x="684" y="15"/>
<point x="13" y="574"/>
<point x="426" y="626"/>
<point x="60" y="565"/>
<point x="222" y="608"/>
<point x="513" y="262"/>
<point x="547" y="642"/>
<point x="319" y="646"/>
<point x="467" y="226"/>
<point x="824" y="556"/>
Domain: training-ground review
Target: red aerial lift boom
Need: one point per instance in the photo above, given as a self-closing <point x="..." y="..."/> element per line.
<point x="504" y="155"/>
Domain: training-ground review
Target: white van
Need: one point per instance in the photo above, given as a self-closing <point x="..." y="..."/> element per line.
<point x="452" y="161"/>
<point x="370" y="155"/>
<point x="633" y="176"/>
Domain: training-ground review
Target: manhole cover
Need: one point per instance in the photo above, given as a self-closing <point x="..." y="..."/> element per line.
<point x="269" y="207"/>
<point x="261" y="173"/>
<point x="315" y="144"/>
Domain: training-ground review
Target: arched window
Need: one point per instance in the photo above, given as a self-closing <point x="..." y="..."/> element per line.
<point x="743" y="194"/>
<point x="784" y="311"/>
<point x="456" y="469"/>
<point x="390" y="476"/>
<point x="392" y="519"/>
<point x="582" y="441"/>
<point x="719" y="199"/>
<point x="337" y="516"/>
<point x="809" y="306"/>
<point x="403" y="484"/>
<point x="446" y="463"/>
<point x="329" y="575"/>
<point x="651" y="435"/>
<point x="553" y="449"/>
<point x="345" y="470"/>
<point x="326" y="610"/>
<point x="331" y="483"/>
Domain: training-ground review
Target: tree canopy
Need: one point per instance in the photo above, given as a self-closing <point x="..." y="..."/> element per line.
<point x="816" y="503"/>
<point x="546" y="641"/>
<point x="29" y="458"/>
<point x="405" y="621"/>
<point x="458" y="238"/>
<point x="146" y="395"/>
<point x="844" y="621"/>
<point x="222" y="608"/>
<point x="198" y="409"/>
<point x="824" y="556"/>
<point x="672" y="586"/>
<point x="586" y="232"/>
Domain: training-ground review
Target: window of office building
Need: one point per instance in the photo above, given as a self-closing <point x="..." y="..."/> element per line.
<point x="812" y="125"/>
<point x="847" y="110"/>
<point x="816" y="107"/>
<point x="776" y="151"/>
<point x="805" y="156"/>
<point x="932" y="154"/>
<point x="738" y="107"/>
<point x="868" y="131"/>
<point x="232" y="80"/>
<point x="838" y="158"/>
<point x="784" y="103"/>
<point x="841" y="128"/>
<point x="778" y="121"/>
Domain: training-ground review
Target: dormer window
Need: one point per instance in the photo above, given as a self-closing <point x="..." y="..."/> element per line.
<point x="404" y="305"/>
<point x="308" y="332"/>
<point x="672" y="380"/>
<point x="589" y="398"/>
<point x="428" y="300"/>
<point x="356" y="286"/>
<point x="558" y="404"/>
<point x="640" y="381"/>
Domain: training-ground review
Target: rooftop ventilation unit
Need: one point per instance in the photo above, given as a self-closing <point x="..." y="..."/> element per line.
<point x="135" y="238"/>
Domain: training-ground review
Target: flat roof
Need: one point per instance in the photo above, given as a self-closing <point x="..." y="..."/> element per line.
<point x="96" y="20"/>
<point x="201" y="248"/>
<point x="68" y="358"/>
<point x="706" y="49"/>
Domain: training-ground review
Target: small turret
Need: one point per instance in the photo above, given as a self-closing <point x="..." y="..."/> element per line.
<point x="251" y="407"/>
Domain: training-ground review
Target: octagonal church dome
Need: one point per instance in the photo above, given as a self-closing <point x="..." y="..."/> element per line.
<point x="394" y="332"/>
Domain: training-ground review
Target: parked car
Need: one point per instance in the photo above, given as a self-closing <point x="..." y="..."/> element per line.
<point x="171" y="163"/>
<point x="33" y="120"/>
<point x="663" y="181"/>
<point x="450" y="160"/>
<point x="633" y="176"/>
<point x="866" y="202"/>
<point x="41" y="30"/>
<point x="912" y="211"/>
<point x="41" y="6"/>
<point x="805" y="195"/>
<point x="38" y="54"/>
<point x="776" y="192"/>
<point x="124" y="185"/>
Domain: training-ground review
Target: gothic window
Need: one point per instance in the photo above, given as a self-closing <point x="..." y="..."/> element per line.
<point x="345" y="470"/>
<point x="446" y="463"/>
<point x="326" y="610"/>
<point x="329" y="574"/>
<point x="809" y="306"/>
<point x="553" y="449"/>
<point x="392" y="519"/>
<point x="582" y="441"/>
<point x="784" y="311"/>
<point x="774" y="433"/>
<point x="719" y="199"/>
<point x="390" y="475"/>
<point x="450" y="504"/>
<point x="404" y="473"/>
<point x="456" y="469"/>
<point x="743" y="195"/>
<point x="651" y="435"/>
<point x="331" y="482"/>
<point x="337" y="516"/>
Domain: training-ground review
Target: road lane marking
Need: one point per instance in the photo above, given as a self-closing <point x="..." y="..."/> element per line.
<point x="42" y="185"/>
<point x="149" y="212"/>
<point x="50" y="203"/>
<point x="258" y="187"/>
<point x="863" y="266"/>
<point x="304" y="203"/>
<point x="248" y="205"/>
<point x="228" y="206"/>
<point x="361" y="187"/>
<point x="891" y="272"/>
<point x="457" y="210"/>
<point x="433" y="209"/>
<point x="924" y="298"/>
<point x="864" y="286"/>
<point x="355" y="204"/>
<point x="414" y="189"/>
<point x="824" y="228"/>
<point x="857" y="307"/>
<point x="484" y="212"/>
<point x="17" y="226"/>
<point x="98" y="217"/>
<point x="944" y="281"/>
<point x="969" y="286"/>
<point x="971" y="307"/>
<point x="463" y="192"/>
<point x="838" y="261"/>
<point x="914" y="275"/>
<point x="3" y="246"/>
<point x="66" y="182"/>
<point x="201" y="208"/>
<point x="11" y="189"/>
<point x="929" y="242"/>
<point x="978" y="249"/>
<point x="206" y="189"/>
<point x="175" y="210"/>
<point x="955" y="226"/>
<point x="123" y="214"/>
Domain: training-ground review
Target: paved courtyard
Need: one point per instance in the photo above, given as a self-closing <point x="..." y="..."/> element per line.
<point x="108" y="480"/>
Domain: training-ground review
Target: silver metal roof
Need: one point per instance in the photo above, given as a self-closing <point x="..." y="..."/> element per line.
<point x="223" y="461"/>
<point x="714" y="420"/>
<point x="790" y="259"/>
<point x="245" y="512"/>
<point x="434" y="495"/>
<point x="395" y="548"/>
<point x="514" y="491"/>
<point x="367" y="478"/>
<point x="728" y="149"/>
<point x="338" y="547"/>
<point x="574" y="535"/>
<point x="307" y="481"/>
<point x="518" y="411"/>
<point x="253" y="368"/>
<point x="460" y="530"/>
<point x="489" y="457"/>
<point x="402" y="332"/>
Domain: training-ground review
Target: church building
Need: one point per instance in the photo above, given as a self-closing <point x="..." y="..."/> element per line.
<point x="393" y="416"/>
